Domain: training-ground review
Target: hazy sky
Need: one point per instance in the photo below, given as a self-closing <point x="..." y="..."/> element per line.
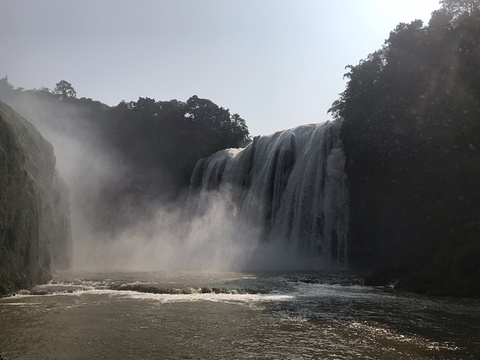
<point x="277" y="63"/>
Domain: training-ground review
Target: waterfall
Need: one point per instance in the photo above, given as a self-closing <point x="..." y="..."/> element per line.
<point x="290" y="184"/>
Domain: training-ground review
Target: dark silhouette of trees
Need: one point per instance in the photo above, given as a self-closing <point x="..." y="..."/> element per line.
<point x="156" y="143"/>
<point x="411" y="133"/>
<point x="460" y="7"/>
<point x="172" y="135"/>
<point x="65" y="90"/>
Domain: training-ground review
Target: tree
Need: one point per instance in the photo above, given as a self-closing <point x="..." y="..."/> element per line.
<point x="65" y="90"/>
<point x="460" y="7"/>
<point x="411" y="136"/>
<point x="156" y="143"/>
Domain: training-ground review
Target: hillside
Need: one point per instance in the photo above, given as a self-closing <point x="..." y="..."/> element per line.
<point x="411" y="134"/>
<point x="121" y="161"/>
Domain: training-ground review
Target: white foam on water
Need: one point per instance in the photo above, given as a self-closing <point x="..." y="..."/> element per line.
<point x="376" y="331"/>
<point x="231" y="297"/>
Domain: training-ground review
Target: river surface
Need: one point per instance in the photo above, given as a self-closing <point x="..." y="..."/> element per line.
<point x="188" y="315"/>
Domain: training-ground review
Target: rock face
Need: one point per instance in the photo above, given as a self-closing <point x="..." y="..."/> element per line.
<point x="35" y="233"/>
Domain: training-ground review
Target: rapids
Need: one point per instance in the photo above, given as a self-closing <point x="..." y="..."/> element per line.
<point x="227" y="315"/>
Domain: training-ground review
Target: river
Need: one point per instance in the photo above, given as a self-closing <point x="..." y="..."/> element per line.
<point x="207" y="315"/>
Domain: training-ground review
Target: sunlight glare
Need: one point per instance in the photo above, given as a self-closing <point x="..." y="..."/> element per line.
<point x="409" y="10"/>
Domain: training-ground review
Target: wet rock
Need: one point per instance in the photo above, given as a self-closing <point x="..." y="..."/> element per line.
<point x="34" y="217"/>
<point x="190" y="290"/>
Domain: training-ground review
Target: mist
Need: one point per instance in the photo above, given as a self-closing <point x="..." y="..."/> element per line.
<point x="161" y="236"/>
<point x="173" y="240"/>
<point x="194" y="231"/>
<point x="206" y="233"/>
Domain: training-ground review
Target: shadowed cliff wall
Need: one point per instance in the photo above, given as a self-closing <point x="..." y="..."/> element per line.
<point x="35" y="231"/>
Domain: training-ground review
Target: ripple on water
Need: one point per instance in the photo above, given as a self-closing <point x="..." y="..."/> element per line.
<point x="282" y="317"/>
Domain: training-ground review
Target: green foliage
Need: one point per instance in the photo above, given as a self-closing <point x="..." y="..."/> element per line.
<point x="170" y="137"/>
<point x="156" y="143"/>
<point x="65" y="90"/>
<point x="460" y="7"/>
<point x="411" y="133"/>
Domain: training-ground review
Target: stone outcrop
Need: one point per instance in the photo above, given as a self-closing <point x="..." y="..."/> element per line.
<point x="35" y="235"/>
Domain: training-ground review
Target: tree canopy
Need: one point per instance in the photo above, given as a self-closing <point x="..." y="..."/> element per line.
<point x="460" y="7"/>
<point x="155" y="143"/>
<point x="65" y="90"/>
<point x="411" y="133"/>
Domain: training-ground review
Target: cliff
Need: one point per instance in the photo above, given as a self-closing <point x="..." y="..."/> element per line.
<point x="35" y="231"/>
<point x="411" y="138"/>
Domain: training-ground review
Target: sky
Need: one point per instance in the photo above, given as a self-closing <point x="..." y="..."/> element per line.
<point x="277" y="63"/>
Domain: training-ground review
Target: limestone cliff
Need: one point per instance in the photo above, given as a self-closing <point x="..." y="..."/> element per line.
<point x="35" y="233"/>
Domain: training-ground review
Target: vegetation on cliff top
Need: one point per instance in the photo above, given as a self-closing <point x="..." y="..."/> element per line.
<point x="411" y="134"/>
<point x="153" y="145"/>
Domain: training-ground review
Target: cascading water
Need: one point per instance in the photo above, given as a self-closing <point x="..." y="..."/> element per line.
<point x="292" y="185"/>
